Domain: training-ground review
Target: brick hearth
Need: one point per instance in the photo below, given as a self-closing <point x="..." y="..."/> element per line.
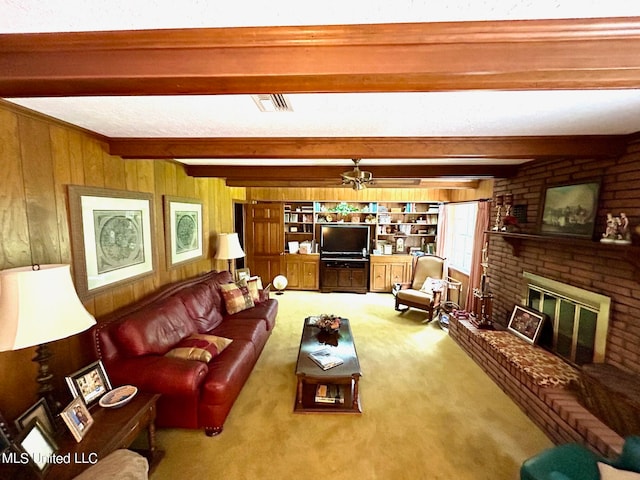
<point x="555" y="410"/>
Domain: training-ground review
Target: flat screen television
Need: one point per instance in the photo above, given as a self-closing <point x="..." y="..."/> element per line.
<point x="344" y="240"/>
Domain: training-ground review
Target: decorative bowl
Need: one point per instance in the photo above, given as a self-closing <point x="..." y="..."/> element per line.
<point x="118" y="396"/>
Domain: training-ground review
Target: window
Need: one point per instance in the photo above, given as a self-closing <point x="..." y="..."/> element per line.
<point x="458" y="244"/>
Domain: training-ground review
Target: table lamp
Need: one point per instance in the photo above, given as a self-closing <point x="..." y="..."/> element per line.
<point x="229" y="247"/>
<point x="39" y="305"/>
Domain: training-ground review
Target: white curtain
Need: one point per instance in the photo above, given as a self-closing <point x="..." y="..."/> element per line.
<point x="479" y="240"/>
<point x="442" y="230"/>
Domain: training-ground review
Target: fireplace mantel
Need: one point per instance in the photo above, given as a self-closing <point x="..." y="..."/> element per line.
<point x="630" y="253"/>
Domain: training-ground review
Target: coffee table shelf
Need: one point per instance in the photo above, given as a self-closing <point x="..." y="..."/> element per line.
<point x="310" y="375"/>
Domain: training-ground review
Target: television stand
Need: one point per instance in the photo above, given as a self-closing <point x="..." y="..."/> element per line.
<point x="344" y="274"/>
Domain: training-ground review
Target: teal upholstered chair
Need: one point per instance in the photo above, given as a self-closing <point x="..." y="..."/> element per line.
<point x="574" y="462"/>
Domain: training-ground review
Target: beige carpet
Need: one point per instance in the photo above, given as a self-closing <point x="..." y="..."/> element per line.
<point x="429" y="412"/>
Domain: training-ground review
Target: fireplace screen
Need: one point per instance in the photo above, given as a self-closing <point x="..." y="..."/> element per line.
<point x="578" y="319"/>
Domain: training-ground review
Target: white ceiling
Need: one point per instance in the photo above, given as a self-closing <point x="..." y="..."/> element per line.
<point x="469" y="113"/>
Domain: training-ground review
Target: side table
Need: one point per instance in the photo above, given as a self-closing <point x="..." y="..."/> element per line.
<point x="112" y="429"/>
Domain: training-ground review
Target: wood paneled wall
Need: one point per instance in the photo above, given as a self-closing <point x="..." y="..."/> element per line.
<point x="39" y="158"/>
<point x="372" y="194"/>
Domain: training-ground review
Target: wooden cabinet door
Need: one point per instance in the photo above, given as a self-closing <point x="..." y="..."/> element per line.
<point x="398" y="274"/>
<point x="359" y="278"/>
<point x="310" y="275"/>
<point x="379" y="277"/>
<point x="265" y="239"/>
<point x="344" y="277"/>
<point x="293" y="273"/>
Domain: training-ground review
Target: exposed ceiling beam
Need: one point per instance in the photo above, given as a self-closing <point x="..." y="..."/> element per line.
<point x="439" y="184"/>
<point x="371" y="147"/>
<point x="299" y="173"/>
<point x="533" y="54"/>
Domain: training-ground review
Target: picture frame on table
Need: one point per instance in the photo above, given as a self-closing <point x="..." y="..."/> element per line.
<point x="570" y="209"/>
<point x="89" y="383"/>
<point x="243" y="273"/>
<point x="77" y="418"/>
<point x="111" y="236"/>
<point x="184" y="235"/>
<point x="37" y="445"/>
<point x="39" y="411"/>
<point x="526" y="323"/>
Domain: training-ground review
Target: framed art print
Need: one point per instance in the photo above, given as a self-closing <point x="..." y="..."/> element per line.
<point x="77" y="418"/>
<point x="183" y="230"/>
<point x="526" y="323"/>
<point x="111" y="236"/>
<point x="89" y="383"/>
<point x="570" y="209"/>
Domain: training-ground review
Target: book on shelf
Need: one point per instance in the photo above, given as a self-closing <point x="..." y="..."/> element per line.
<point x="330" y="393"/>
<point x="325" y="359"/>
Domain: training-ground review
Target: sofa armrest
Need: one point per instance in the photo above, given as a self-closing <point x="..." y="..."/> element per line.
<point x="158" y="374"/>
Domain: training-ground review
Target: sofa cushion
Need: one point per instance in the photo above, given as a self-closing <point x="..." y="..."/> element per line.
<point x="254" y="284"/>
<point x="236" y="297"/>
<point x="629" y="459"/>
<point x="266" y="311"/>
<point x="155" y="329"/>
<point x="607" y="472"/>
<point x="204" y="305"/>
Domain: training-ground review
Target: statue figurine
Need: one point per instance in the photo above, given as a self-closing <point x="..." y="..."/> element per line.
<point x="623" y="234"/>
<point x="611" y="230"/>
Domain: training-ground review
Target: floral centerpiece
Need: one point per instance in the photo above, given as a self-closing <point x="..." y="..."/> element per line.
<point x="328" y="322"/>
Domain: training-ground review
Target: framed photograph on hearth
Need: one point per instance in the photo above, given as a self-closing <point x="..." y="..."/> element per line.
<point x="89" y="383"/>
<point x="526" y="323"/>
<point x="183" y="230"/>
<point x="570" y="209"/>
<point x="111" y="237"/>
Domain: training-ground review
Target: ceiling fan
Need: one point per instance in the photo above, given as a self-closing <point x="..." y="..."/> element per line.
<point x="356" y="177"/>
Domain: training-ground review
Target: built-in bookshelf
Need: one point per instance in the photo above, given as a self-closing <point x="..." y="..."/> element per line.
<point x="396" y="227"/>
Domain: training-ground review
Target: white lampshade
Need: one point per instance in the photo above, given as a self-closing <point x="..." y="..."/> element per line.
<point x="229" y="246"/>
<point x="38" y="306"/>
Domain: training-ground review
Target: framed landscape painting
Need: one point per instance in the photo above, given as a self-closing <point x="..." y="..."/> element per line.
<point x="111" y="237"/>
<point x="570" y="209"/>
<point x="183" y="230"/>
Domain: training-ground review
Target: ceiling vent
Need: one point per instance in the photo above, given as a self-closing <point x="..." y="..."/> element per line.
<point x="272" y="102"/>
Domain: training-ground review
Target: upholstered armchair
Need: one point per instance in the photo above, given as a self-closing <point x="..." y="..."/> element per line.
<point x="425" y="289"/>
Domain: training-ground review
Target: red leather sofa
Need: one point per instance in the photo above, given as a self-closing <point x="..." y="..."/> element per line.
<point x="133" y="343"/>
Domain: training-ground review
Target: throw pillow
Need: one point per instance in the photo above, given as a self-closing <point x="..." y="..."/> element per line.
<point x="190" y="353"/>
<point x="607" y="472"/>
<point x="255" y="285"/>
<point x="236" y="296"/>
<point x="212" y="344"/>
<point x="432" y="285"/>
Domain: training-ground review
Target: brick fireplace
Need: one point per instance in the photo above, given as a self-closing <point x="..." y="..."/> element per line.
<point x="613" y="272"/>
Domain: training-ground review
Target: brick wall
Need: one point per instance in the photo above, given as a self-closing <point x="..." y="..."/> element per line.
<point x="609" y="270"/>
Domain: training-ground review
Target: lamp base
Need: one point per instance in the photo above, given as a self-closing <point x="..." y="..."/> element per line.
<point x="45" y="390"/>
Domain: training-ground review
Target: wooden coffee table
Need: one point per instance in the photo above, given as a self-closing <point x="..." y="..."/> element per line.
<point x="345" y="377"/>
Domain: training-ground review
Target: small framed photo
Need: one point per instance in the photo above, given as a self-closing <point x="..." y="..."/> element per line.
<point x="243" y="273"/>
<point x="77" y="417"/>
<point x="89" y="383"/>
<point x="526" y="323"/>
<point x="38" y="444"/>
<point x="38" y="411"/>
